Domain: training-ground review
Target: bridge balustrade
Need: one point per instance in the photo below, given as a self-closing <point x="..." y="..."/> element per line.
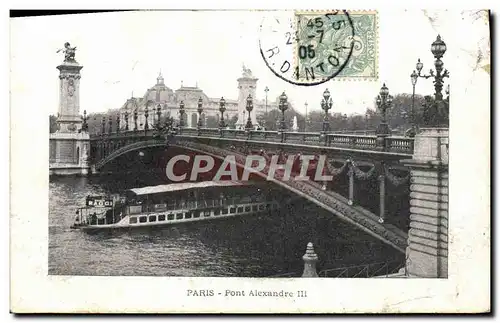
<point x="209" y="132"/>
<point x="399" y="143"/>
<point x="352" y="141"/>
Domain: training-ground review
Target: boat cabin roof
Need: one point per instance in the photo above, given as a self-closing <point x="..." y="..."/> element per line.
<point x="183" y="186"/>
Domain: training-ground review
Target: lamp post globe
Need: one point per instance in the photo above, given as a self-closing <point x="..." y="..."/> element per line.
<point x="181" y="112"/>
<point x="249" y="108"/>
<point x="326" y="104"/>
<point x="326" y="95"/>
<point x="414" y="78"/>
<point x="222" y="109"/>
<point x="384" y="101"/>
<point x="283" y="106"/>
<point x="200" y="111"/>
<point x="438" y="47"/>
<point x="419" y="66"/>
<point x="266" y="90"/>
<point x="384" y="91"/>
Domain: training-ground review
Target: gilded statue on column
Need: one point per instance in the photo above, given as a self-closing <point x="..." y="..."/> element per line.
<point x="69" y="52"/>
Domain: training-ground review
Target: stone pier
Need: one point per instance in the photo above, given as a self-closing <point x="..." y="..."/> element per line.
<point x="427" y="251"/>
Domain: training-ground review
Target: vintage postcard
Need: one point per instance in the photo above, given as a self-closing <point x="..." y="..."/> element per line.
<point x="250" y="161"/>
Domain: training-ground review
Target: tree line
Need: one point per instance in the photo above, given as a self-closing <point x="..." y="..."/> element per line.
<point x="398" y="117"/>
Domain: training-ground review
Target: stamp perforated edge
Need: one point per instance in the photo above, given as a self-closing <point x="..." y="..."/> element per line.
<point x="340" y="78"/>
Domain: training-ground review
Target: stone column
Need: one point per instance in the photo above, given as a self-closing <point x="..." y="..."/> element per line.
<point x="69" y="145"/>
<point x="427" y="251"/>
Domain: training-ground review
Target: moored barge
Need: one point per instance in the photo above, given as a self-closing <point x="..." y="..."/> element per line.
<point x="171" y="204"/>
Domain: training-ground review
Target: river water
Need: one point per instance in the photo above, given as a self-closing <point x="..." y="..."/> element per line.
<point x="246" y="246"/>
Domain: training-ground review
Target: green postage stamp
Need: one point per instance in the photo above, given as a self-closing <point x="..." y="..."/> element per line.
<point x="325" y="45"/>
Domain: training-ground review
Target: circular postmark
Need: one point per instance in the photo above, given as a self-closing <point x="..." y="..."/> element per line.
<point x="307" y="47"/>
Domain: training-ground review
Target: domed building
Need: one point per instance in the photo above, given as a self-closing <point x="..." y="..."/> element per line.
<point x="160" y="98"/>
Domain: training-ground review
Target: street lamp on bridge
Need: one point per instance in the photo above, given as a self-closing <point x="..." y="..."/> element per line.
<point x="306" y="118"/>
<point x="326" y="104"/>
<point x="367" y="118"/>
<point x="110" y="121"/>
<point x="249" y="108"/>
<point x="85" y="126"/>
<point x="158" y="114"/>
<point x="118" y="122"/>
<point x="384" y="102"/>
<point x="413" y="130"/>
<point x="265" y="90"/>
<point x="181" y="112"/>
<point x="344" y="122"/>
<point x="146" y="114"/>
<point x="126" y="120"/>
<point x="200" y="111"/>
<point x="222" y="109"/>
<point x="438" y="48"/>
<point x="135" y="119"/>
<point x="283" y="106"/>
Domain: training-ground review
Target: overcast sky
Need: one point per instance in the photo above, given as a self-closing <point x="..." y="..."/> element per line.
<point x="123" y="52"/>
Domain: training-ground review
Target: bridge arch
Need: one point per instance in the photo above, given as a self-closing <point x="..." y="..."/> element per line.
<point x="328" y="200"/>
<point x="333" y="202"/>
<point x="127" y="149"/>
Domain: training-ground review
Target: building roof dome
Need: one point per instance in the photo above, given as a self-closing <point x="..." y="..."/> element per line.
<point x="159" y="93"/>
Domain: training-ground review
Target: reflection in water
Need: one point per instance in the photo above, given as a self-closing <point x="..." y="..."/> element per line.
<point x="251" y="246"/>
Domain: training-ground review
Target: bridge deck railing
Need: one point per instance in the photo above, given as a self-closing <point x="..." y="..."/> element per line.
<point x="342" y="140"/>
<point x="379" y="269"/>
<point x="369" y="270"/>
<point x="354" y="141"/>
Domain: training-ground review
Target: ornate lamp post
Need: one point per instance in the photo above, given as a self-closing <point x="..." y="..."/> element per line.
<point x="367" y="117"/>
<point x="181" y="112"/>
<point x="200" y="111"/>
<point x="126" y="120"/>
<point x="169" y="123"/>
<point x="404" y="115"/>
<point x="306" y="120"/>
<point x="103" y="132"/>
<point x="85" y="126"/>
<point x="118" y="123"/>
<point x="438" y="48"/>
<point x="222" y="109"/>
<point x="249" y="108"/>
<point x="344" y="122"/>
<point x="384" y="101"/>
<point x="283" y="106"/>
<point x="110" y="122"/>
<point x="146" y="114"/>
<point x="413" y="130"/>
<point x="158" y="114"/>
<point x="326" y="104"/>
<point x="135" y="119"/>
<point x="266" y="90"/>
<point x="103" y="125"/>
